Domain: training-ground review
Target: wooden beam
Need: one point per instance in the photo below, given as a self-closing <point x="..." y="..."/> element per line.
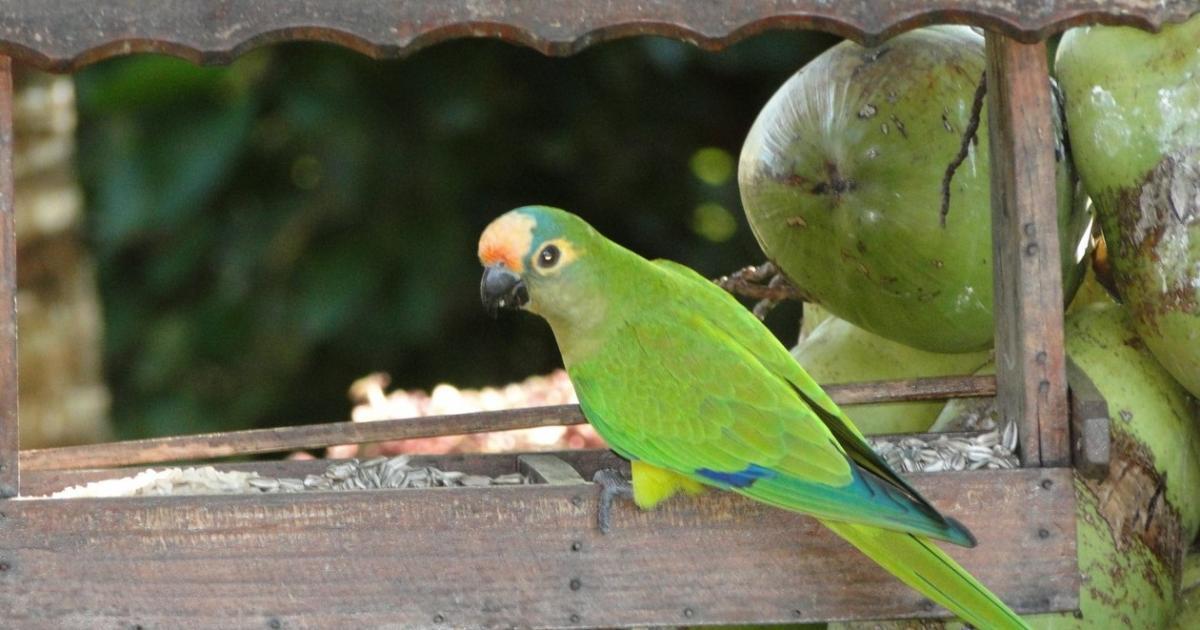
<point x="1091" y="437"/>
<point x="65" y="35"/>
<point x="502" y="557"/>
<point x="1030" y="374"/>
<point x="211" y="445"/>
<point x="10" y="472"/>
<point x="547" y="468"/>
<point x="912" y="389"/>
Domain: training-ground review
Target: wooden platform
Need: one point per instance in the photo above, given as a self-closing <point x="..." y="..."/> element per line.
<point x="516" y="556"/>
<point x="531" y="555"/>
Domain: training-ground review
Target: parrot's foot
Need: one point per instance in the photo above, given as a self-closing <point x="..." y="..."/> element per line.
<point x="612" y="486"/>
<point x="765" y="283"/>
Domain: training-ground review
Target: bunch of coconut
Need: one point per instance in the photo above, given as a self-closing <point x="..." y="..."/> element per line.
<point x="842" y="178"/>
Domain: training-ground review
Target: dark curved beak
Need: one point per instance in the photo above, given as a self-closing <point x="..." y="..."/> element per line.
<point x="501" y="288"/>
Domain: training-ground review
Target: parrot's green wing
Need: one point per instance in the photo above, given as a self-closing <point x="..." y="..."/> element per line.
<point x="755" y="430"/>
<point x="741" y="326"/>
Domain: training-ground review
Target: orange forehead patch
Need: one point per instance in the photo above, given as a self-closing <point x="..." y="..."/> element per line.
<point x="506" y="240"/>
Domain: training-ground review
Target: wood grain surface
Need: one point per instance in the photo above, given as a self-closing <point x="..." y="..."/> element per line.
<point x="1031" y="378"/>
<point x="212" y="445"/>
<point x="65" y="35"/>
<point x="9" y="431"/>
<point x="516" y="556"/>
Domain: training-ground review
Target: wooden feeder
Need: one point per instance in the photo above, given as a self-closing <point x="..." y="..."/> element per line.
<point x="531" y="555"/>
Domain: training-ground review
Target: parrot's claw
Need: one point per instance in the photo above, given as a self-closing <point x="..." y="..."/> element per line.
<point x="612" y="486"/>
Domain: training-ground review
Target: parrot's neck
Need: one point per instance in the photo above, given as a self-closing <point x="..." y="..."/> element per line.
<point x="581" y="333"/>
<point x="589" y="312"/>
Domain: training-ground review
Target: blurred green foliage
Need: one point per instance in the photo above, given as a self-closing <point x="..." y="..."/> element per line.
<point x="269" y="231"/>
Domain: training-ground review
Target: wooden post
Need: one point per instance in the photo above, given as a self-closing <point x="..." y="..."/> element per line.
<point x="9" y="470"/>
<point x="1030" y="369"/>
<point x="1091" y="438"/>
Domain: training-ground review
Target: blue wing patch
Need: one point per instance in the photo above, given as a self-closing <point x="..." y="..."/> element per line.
<point x="738" y="479"/>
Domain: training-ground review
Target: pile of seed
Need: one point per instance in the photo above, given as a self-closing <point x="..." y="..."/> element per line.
<point x="381" y="472"/>
<point x="988" y="450"/>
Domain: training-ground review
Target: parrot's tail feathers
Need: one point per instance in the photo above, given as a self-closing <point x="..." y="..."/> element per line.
<point x="908" y="511"/>
<point x="922" y="565"/>
<point x="880" y="474"/>
<point x="961" y="530"/>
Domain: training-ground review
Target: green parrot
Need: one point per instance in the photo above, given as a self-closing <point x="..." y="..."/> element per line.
<point x="686" y="384"/>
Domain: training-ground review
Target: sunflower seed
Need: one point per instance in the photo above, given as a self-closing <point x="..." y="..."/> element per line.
<point x="342" y="471"/>
<point x="511" y="479"/>
<point x="291" y="485"/>
<point x="374" y="462"/>
<point x="265" y="484"/>
<point x="476" y="481"/>
<point x="396" y="464"/>
<point x="393" y="478"/>
<point x="1010" y="436"/>
<point x="449" y="477"/>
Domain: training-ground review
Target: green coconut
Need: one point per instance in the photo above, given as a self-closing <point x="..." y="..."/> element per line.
<point x="814" y="315"/>
<point x="841" y="180"/>
<point x="837" y="351"/>
<point x="1090" y="292"/>
<point x="1152" y="416"/>
<point x="1134" y="122"/>
<point x="1134" y="526"/>
<point x="1187" y="615"/>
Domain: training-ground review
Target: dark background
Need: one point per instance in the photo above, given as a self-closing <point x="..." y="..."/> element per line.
<point x="270" y="231"/>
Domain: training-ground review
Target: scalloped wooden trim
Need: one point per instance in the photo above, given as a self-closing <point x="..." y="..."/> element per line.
<point x="65" y="35"/>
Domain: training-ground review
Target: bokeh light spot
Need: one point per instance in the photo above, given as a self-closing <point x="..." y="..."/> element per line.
<point x="714" y="222"/>
<point x="712" y="166"/>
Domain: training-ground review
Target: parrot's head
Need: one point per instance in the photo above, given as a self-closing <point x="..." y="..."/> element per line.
<point x="537" y="258"/>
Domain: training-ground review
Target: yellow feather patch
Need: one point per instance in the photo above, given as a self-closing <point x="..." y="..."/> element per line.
<point x="653" y="485"/>
<point x="506" y="240"/>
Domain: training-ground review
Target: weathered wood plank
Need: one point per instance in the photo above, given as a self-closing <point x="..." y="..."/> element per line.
<point x="211" y="445"/>
<point x="9" y="431"/>
<point x="65" y="35"/>
<point x="546" y="468"/>
<point x="1091" y="437"/>
<point x="1030" y="374"/>
<point x="912" y="389"/>
<point x="500" y="557"/>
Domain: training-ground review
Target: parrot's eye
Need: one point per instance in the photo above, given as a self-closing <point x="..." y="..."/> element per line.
<point x="548" y="257"/>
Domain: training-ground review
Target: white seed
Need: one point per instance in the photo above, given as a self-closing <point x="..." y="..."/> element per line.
<point x="475" y="481"/>
<point x="265" y="484"/>
<point x="511" y="479"/>
<point x="374" y="462"/>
